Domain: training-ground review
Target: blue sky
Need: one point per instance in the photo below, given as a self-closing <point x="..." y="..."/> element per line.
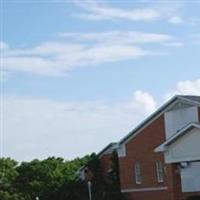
<point x="76" y="72"/>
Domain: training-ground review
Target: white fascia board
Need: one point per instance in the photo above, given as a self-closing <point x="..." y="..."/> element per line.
<point x="160" y="148"/>
<point x="164" y="146"/>
<point x="188" y="159"/>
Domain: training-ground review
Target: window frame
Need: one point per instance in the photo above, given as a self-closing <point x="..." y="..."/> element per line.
<point x="160" y="171"/>
<point x="138" y="174"/>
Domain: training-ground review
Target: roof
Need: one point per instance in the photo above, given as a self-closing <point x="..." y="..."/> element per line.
<point x="111" y="146"/>
<point x="193" y="100"/>
<point x="175" y="136"/>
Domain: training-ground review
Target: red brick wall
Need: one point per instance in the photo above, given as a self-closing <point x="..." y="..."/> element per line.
<point x="155" y="195"/>
<point x="141" y="148"/>
<point x="105" y="164"/>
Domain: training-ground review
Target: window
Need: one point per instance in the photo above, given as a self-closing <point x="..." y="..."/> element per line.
<point x="159" y="171"/>
<point x="138" y="177"/>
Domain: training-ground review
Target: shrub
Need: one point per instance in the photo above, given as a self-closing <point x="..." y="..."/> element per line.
<point x="194" y="197"/>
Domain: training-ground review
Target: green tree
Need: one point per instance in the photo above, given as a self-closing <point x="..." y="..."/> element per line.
<point x="4" y="195"/>
<point x="45" y="178"/>
<point x="8" y="173"/>
<point x="50" y="179"/>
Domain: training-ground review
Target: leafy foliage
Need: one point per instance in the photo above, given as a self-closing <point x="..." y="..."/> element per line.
<point x="11" y="196"/>
<point x="8" y="173"/>
<point x="54" y="178"/>
<point x="109" y="188"/>
<point x="44" y="179"/>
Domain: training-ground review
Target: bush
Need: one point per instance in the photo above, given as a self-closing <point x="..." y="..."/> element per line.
<point x="194" y="197"/>
<point x="11" y="196"/>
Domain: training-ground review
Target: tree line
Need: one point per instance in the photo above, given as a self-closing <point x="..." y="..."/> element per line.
<point x="55" y="179"/>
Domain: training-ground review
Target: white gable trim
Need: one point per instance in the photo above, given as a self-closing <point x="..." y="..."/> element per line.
<point x="186" y="159"/>
<point x="189" y="101"/>
<point x="163" y="147"/>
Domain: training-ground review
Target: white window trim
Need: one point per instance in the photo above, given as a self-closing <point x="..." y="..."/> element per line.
<point x="138" y="176"/>
<point x="149" y="189"/>
<point x="160" y="171"/>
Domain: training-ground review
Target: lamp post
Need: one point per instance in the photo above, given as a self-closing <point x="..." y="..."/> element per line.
<point x="90" y="190"/>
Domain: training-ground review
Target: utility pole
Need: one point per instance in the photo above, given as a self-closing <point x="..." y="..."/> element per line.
<point x="90" y="190"/>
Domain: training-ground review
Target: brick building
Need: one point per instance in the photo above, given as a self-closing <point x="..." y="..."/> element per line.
<point x="160" y="158"/>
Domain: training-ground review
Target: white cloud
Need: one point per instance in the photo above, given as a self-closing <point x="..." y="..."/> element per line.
<point x="185" y="88"/>
<point x="97" y="11"/>
<point x="51" y="62"/>
<point x="151" y="11"/>
<point x="142" y="100"/>
<point x="84" y="49"/>
<point x="174" y="44"/>
<point x="188" y="87"/>
<point x="176" y="20"/>
<point x="3" y="45"/>
<point x="41" y="127"/>
<point x="122" y="37"/>
<point x="195" y="21"/>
